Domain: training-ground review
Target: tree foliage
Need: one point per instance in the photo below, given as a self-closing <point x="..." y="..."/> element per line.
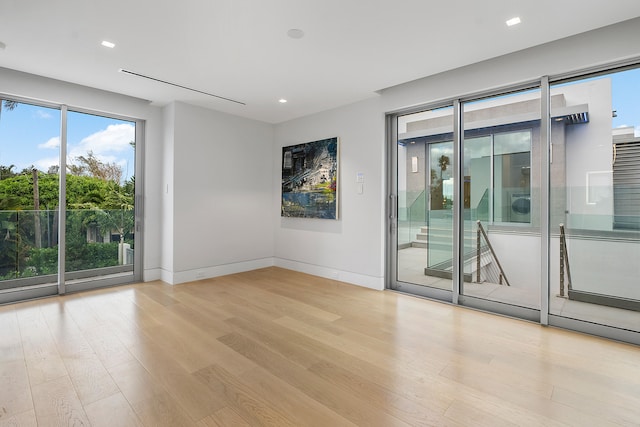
<point x="80" y="189"/>
<point x="90" y="165"/>
<point x="95" y="199"/>
<point x="7" y="171"/>
<point x="443" y="162"/>
<point x="10" y="105"/>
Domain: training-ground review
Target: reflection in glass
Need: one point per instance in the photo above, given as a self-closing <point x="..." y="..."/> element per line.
<point x="100" y="219"/>
<point x="500" y="225"/>
<point x="425" y="198"/>
<point x="595" y="200"/>
<point x="440" y="209"/>
<point x="29" y="172"/>
<point x="512" y="170"/>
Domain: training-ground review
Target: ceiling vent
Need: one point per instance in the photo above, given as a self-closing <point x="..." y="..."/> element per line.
<point x="132" y="73"/>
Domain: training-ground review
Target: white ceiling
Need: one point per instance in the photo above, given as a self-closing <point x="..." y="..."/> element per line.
<point x="239" y="49"/>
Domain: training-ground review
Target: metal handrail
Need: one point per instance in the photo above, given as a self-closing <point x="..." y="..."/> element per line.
<point x="564" y="262"/>
<point x="493" y="253"/>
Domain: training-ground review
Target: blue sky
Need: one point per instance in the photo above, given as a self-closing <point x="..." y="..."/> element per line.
<point x="625" y="94"/>
<point x="30" y="135"/>
<point x="625" y="89"/>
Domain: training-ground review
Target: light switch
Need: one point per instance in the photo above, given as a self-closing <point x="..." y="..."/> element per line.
<point x="360" y="188"/>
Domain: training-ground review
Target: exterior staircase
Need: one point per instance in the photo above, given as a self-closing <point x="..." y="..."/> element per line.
<point x="421" y="238"/>
<point x="440" y="238"/>
<point x="445" y="269"/>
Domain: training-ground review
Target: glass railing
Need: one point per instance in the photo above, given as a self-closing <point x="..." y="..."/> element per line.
<point x="417" y="215"/>
<point x="412" y="218"/>
<point x="95" y="239"/>
<point x="28" y="244"/>
<point x="602" y="262"/>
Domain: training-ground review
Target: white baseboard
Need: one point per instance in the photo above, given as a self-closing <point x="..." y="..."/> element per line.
<point x="370" y="282"/>
<point x="166" y="276"/>
<point x="152" y="274"/>
<point x="218" y="270"/>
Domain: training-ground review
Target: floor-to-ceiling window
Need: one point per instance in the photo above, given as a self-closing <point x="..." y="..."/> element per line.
<point x="500" y="226"/>
<point x="537" y="193"/>
<point x="595" y="200"/>
<point x="91" y="157"/>
<point x="29" y="194"/>
<point x="424" y="181"/>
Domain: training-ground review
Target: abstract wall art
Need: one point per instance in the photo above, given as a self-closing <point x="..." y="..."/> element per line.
<point x="310" y="180"/>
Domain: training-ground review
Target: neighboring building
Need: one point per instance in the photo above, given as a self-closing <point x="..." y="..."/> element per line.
<point x="593" y="194"/>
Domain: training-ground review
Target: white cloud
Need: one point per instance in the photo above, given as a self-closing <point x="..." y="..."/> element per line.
<point x="110" y="145"/>
<point x="113" y="139"/>
<point x="44" y="164"/>
<point x="51" y="143"/>
<point x="43" y="114"/>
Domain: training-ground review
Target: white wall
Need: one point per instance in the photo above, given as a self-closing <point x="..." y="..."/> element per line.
<point x="519" y="255"/>
<point x="43" y="89"/>
<point x="589" y="152"/>
<point x="207" y="180"/>
<point x="350" y="248"/>
<point x="167" y="191"/>
<point x="602" y="46"/>
<point x="222" y="194"/>
<point x="614" y="271"/>
<point x="221" y="211"/>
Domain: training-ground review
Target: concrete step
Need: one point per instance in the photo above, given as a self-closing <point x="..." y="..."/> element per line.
<point x="423" y="237"/>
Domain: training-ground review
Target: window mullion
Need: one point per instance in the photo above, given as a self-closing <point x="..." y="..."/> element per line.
<point x="62" y="201"/>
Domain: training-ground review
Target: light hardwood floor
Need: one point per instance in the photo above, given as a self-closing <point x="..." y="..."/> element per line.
<point x="275" y="347"/>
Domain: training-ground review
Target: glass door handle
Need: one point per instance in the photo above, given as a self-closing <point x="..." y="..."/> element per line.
<point x="393" y="206"/>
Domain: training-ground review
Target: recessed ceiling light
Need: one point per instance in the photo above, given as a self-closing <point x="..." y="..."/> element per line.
<point x="108" y="44"/>
<point x="282" y="101"/>
<point x="513" y="21"/>
<point x="295" y="33"/>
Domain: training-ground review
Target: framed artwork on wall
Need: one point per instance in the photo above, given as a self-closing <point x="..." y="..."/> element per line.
<point x="310" y="179"/>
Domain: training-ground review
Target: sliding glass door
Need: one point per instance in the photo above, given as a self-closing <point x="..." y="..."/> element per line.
<point x="595" y="201"/>
<point x="92" y="158"/>
<point x="423" y="250"/>
<point x="29" y="194"/>
<point x="501" y="209"/>
<point x="524" y="202"/>
<point x="100" y="187"/>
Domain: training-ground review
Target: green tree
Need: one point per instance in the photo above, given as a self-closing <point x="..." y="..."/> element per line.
<point x="94" y="198"/>
<point x="21" y="187"/>
<point x="117" y="214"/>
<point x="443" y="162"/>
<point x="85" y="189"/>
<point x="7" y="172"/>
<point x="90" y="165"/>
<point x="8" y="105"/>
<point x="8" y="223"/>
